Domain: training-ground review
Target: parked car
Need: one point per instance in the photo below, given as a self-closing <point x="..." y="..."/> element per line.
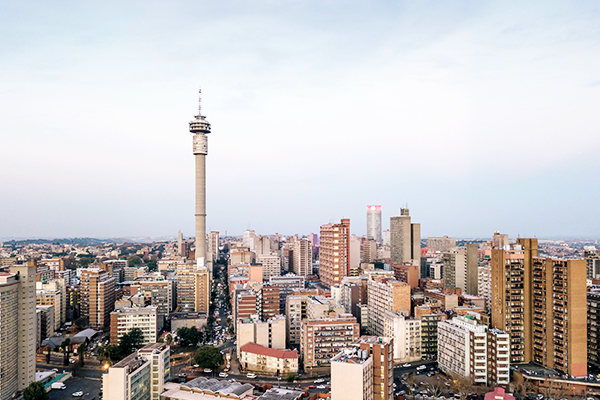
<point x="58" y="385"/>
<point x="321" y="387"/>
<point x="320" y="380"/>
<point x="207" y="370"/>
<point x="251" y="376"/>
<point x="312" y="387"/>
<point x="406" y="365"/>
<point x="223" y="375"/>
<point x="78" y="394"/>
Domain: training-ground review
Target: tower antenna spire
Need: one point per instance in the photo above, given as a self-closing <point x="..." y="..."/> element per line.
<point x="200" y="101"/>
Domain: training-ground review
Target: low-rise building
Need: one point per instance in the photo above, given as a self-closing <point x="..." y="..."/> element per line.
<point x="265" y="360"/>
<point x="270" y="333"/>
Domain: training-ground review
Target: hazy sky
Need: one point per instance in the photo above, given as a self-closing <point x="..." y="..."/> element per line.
<point x="480" y="116"/>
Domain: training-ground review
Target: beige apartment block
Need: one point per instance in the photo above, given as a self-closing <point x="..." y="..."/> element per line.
<point x="352" y="375"/>
<point x="302" y="253"/>
<point x="97" y="296"/>
<point x="270" y="333"/>
<point x="406" y="332"/>
<point x="484" y="284"/>
<point x="127" y="318"/>
<point x="271" y="265"/>
<point x="334" y="253"/>
<point x="268" y="361"/>
<point x="471" y="350"/>
<point x="201" y="290"/>
<point x="186" y="284"/>
<point x="54" y="298"/>
<point x="321" y="339"/>
<point x="442" y="244"/>
<point x="405" y="238"/>
<point x="385" y="294"/>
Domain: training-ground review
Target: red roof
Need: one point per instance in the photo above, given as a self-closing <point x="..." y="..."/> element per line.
<point x="266" y="351"/>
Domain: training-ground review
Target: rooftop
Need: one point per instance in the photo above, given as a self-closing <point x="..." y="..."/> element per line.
<point x="132" y="362"/>
<point x="267" y="351"/>
<point x="149" y="348"/>
<point x="281" y="394"/>
<point x="372" y="340"/>
<point x="215" y="385"/>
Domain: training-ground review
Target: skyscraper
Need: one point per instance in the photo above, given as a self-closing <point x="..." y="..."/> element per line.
<point x="200" y="127"/>
<point x="405" y="238"/>
<point x="374" y="223"/>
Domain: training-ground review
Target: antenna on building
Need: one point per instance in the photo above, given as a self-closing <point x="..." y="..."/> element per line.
<point x="200" y="101"/>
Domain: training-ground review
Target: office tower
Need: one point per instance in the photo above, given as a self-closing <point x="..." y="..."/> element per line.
<point x="262" y="245"/>
<point x="471" y="350"/>
<point x="406" y="332"/>
<point x="334" y="252"/>
<point x="180" y="243"/>
<point x="374" y="223"/>
<point x="352" y="375"/>
<point x="97" y="296"/>
<point x="460" y="268"/>
<point x="386" y="237"/>
<point x="405" y="238"/>
<point x="302" y="257"/>
<point x="201" y="290"/>
<point x="127" y="318"/>
<point x="443" y="244"/>
<point x="271" y="265"/>
<point x="369" y="251"/>
<point x="141" y="375"/>
<point x="322" y="338"/>
<point x="18" y="330"/>
<point x="385" y="294"/>
<point x="200" y="127"/>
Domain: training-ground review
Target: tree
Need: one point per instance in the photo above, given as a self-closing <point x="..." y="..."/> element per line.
<point x="169" y="339"/>
<point x="131" y="341"/>
<point x="66" y="350"/>
<point x="112" y="352"/>
<point x="160" y="340"/>
<point x="411" y="383"/>
<point x="48" y="350"/>
<point x="434" y="389"/>
<point x="133" y="261"/>
<point x="152" y="265"/>
<point x="80" y="351"/>
<point x="189" y="336"/>
<point x="461" y="385"/>
<point x="81" y="323"/>
<point x="208" y="357"/>
<point x="35" y="391"/>
<point x="291" y="377"/>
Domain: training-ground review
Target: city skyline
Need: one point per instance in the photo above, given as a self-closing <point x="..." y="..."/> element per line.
<point x="480" y="118"/>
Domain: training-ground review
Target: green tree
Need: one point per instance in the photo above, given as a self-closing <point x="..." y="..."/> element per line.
<point x="169" y="339"/>
<point x="35" y="391"/>
<point x="131" y="341"/>
<point x="66" y="350"/>
<point x="133" y="261"/>
<point x="291" y="377"/>
<point x="81" y="323"/>
<point x="208" y="357"/>
<point x="189" y="336"/>
<point x="113" y="353"/>
<point x="152" y="265"/>
<point x="80" y="351"/>
<point x="160" y="340"/>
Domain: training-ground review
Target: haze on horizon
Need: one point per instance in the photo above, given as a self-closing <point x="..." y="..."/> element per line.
<point x="479" y="116"/>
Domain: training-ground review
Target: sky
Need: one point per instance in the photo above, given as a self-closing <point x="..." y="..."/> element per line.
<point x="477" y="115"/>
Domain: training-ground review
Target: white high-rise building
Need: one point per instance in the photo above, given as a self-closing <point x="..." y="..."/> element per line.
<point x="248" y="238"/>
<point x="374" y="223"/>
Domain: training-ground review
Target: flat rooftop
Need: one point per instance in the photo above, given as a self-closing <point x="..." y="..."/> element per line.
<point x="372" y="340"/>
<point x="281" y="394"/>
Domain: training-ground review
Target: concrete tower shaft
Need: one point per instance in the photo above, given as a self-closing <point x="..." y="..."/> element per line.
<point x="200" y="127"/>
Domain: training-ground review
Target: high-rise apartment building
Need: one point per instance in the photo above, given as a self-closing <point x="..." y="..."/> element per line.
<point x="406" y="332"/>
<point x="334" y="252"/>
<point x="268" y="301"/>
<point x="443" y="244"/>
<point x="592" y="260"/>
<point x="381" y="350"/>
<point x="374" y="223"/>
<point x="159" y="291"/>
<point x="248" y="238"/>
<point x="405" y="238"/>
<point x="385" y="294"/>
<point x="213" y="244"/>
<point x="54" y="298"/>
<point x="125" y="319"/>
<point x="369" y="251"/>
<point x="471" y="350"/>
<point x="140" y="376"/>
<point x="97" y="296"/>
<point x="541" y="304"/>
<point x="18" y="329"/>
<point x="271" y="265"/>
<point x="352" y="375"/>
<point x="484" y="281"/>
<point x="286" y="284"/>
<point x="201" y="290"/>
<point x="186" y="290"/>
<point x="322" y="338"/>
<point x="302" y="257"/>
<point x="593" y="328"/>
<point x="460" y="268"/>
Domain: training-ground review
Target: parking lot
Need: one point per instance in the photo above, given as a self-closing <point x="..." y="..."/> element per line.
<point x="89" y="386"/>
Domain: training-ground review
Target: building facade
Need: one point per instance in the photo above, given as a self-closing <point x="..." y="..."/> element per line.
<point x="374" y="223"/>
<point x="334" y="252"/>
<point x="125" y="319"/>
<point x="405" y="238"/>
<point x="97" y="296"/>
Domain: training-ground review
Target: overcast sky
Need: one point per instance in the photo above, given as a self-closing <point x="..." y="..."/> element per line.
<point x="480" y="116"/>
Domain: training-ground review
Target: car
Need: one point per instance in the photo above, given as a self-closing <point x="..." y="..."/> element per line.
<point x="421" y="367"/>
<point x="72" y="361"/>
<point x="402" y="393"/>
<point x="55" y="369"/>
<point x="312" y="387"/>
<point x="321" y="387"/>
<point x="223" y="375"/>
<point x="250" y="375"/>
<point x="78" y="394"/>
<point x="207" y="370"/>
<point x="195" y="366"/>
<point x="320" y="380"/>
<point x="406" y="365"/>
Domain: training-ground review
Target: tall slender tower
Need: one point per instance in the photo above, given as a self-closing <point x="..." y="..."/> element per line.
<point x="200" y="127"/>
